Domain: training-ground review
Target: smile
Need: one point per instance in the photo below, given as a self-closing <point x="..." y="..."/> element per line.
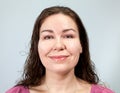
<point x="59" y="58"/>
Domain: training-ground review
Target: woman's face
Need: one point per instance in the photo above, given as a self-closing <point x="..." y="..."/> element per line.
<point x="59" y="45"/>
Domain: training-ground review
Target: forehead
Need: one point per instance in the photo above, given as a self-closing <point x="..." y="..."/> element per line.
<point x="58" y="20"/>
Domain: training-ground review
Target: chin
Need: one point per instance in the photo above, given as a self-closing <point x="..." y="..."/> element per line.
<point x="61" y="70"/>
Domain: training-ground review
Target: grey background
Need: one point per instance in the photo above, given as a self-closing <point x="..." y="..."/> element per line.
<point x="100" y="17"/>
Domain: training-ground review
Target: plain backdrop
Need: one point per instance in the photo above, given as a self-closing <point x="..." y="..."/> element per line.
<point x="101" y="19"/>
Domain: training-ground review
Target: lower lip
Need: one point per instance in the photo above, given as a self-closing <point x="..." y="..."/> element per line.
<point x="59" y="58"/>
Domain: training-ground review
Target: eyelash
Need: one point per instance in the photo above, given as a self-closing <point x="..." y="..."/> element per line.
<point x="48" y="37"/>
<point x="68" y="36"/>
<point x="52" y="37"/>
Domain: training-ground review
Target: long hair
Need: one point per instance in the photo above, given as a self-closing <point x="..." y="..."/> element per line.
<point x="34" y="70"/>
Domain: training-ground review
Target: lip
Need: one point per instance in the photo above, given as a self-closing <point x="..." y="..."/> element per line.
<point x="59" y="57"/>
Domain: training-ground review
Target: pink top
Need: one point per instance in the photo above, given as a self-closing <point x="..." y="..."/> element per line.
<point x="94" y="89"/>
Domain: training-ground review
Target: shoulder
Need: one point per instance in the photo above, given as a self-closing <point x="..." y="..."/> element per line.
<point x="100" y="89"/>
<point x="18" y="89"/>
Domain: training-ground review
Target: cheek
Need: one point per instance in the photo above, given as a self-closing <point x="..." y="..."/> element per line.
<point x="42" y="48"/>
<point x="75" y="47"/>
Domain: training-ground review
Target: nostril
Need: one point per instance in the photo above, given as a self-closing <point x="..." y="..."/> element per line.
<point x="59" y="46"/>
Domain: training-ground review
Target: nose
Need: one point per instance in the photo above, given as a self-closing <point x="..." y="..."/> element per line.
<point x="59" y="45"/>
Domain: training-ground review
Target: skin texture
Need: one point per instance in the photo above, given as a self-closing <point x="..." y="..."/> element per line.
<point x="58" y="60"/>
<point x="59" y="45"/>
<point x="55" y="48"/>
<point x="59" y="49"/>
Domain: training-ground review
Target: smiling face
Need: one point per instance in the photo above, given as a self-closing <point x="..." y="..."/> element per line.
<point x="59" y="45"/>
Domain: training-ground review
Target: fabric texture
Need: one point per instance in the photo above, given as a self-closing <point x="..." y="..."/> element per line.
<point x="18" y="89"/>
<point x="94" y="89"/>
<point x="100" y="89"/>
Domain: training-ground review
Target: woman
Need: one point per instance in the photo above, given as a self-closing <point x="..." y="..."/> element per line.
<point x="59" y="59"/>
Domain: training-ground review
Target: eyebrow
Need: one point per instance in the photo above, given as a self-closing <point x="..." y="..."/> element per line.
<point x="47" y="30"/>
<point x="65" y="30"/>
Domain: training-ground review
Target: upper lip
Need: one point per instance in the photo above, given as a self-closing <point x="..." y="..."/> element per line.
<point x="58" y="56"/>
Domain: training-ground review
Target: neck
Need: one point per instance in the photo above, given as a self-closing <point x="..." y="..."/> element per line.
<point x="56" y="82"/>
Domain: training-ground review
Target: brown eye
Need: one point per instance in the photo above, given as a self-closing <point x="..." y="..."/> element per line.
<point x="68" y="36"/>
<point x="48" y="37"/>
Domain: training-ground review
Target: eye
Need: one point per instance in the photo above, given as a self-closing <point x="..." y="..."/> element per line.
<point x="68" y="36"/>
<point x="48" y="37"/>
